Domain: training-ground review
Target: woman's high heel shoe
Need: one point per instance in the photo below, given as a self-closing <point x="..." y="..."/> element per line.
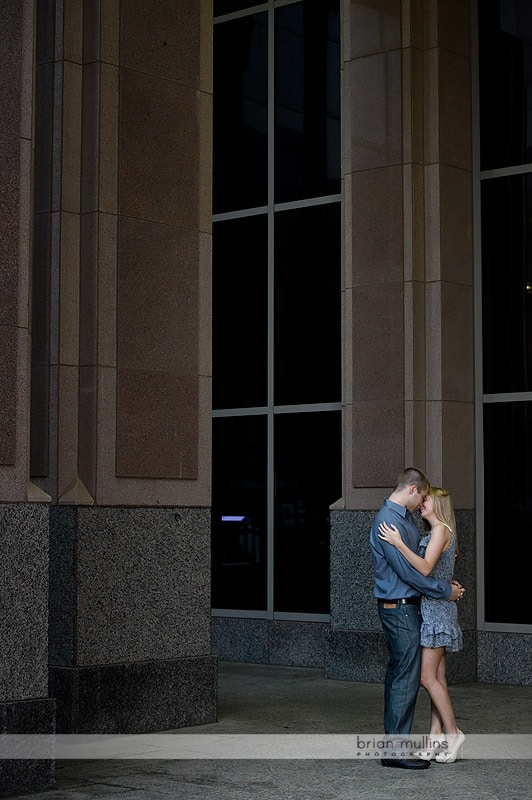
<point x="430" y="752"/>
<point x="449" y="756"/>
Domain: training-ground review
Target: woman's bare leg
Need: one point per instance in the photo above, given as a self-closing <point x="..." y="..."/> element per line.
<point x="436" y="723"/>
<point x="434" y="681"/>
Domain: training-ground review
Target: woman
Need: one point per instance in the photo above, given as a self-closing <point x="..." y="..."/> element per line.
<point x="439" y="630"/>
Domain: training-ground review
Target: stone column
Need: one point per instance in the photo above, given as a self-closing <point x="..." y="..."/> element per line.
<point x="449" y="292"/>
<point x="125" y="455"/>
<point x="409" y="395"/>
<point x="450" y="451"/>
<point x="24" y="703"/>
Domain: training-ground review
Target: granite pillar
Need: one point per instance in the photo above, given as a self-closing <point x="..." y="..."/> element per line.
<point x="409" y="396"/>
<point x="25" y="706"/>
<point x="130" y="619"/>
<point x="121" y="368"/>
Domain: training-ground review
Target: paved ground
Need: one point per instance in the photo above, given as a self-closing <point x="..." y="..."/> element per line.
<point x="256" y="699"/>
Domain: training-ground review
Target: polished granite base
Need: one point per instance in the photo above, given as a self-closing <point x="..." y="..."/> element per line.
<point x="261" y="641"/>
<point x="505" y="658"/>
<point x="29" y="717"/>
<point x="141" y="697"/>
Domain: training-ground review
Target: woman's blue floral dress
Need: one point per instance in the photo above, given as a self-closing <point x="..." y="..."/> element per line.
<point x="440" y="626"/>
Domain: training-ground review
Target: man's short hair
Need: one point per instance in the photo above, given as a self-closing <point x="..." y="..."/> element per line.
<point x="412" y="476"/>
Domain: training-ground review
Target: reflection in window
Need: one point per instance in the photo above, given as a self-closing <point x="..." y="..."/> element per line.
<point x="239" y="548"/>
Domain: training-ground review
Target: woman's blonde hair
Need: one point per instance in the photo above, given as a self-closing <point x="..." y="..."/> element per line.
<point x="443" y="508"/>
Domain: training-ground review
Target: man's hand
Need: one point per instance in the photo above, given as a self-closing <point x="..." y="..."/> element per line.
<point x="457" y="591"/>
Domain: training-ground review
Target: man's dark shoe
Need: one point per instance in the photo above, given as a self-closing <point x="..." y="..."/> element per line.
<point x="405" y="763"/>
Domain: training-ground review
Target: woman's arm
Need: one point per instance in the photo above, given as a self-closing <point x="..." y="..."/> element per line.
<point x="438" y="542"/>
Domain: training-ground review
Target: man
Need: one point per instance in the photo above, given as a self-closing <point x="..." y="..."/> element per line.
<point x="398" y="589"/>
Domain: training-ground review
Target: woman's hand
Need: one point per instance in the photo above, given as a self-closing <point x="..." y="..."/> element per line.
<point x="389" y="534"/>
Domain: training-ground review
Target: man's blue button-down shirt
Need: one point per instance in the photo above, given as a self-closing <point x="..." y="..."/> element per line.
<point x="394" y="576"/>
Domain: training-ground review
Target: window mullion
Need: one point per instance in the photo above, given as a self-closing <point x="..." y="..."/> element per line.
<point x="271" y="263"/>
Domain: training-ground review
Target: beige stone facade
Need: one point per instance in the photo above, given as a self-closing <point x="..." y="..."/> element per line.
<point x="409" y="386"/>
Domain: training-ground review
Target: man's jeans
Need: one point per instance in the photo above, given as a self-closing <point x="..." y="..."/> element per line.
<point x="401" y="628"/>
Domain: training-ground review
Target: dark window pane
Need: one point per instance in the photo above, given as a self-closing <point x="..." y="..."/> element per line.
<point x="307" y="480"/>
<point x="505" y="84"/>
<point x="239" y="548"/>
<point x="307" y="112"/>
<point x="307" y="305"/>
<point x="507" y="284"/>
<point x="240" y="313"/>
<point x="507" y="510"/>
<point x="240" y="147"/>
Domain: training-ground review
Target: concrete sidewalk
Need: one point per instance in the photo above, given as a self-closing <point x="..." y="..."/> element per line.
<point x="257" y="699"/>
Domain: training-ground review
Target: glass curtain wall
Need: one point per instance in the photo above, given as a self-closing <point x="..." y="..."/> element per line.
<point x="505" y="130"/>
<point x="276" y="306"/>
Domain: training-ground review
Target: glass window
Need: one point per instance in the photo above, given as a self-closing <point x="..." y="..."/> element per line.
<point x="505" y="90"/>
<point x="505" y="66"/>
<point x="307" y="480"/>
<point x="508" y="511"/>
<point x="240" y="142"/>
<point x="239" y="544"/>
<point x="507" y="284"/>
<point x="240" y="312"/>
<point x="307" y="305"/>
<point x="276" y="307"/>
<point x="307" y="110"/>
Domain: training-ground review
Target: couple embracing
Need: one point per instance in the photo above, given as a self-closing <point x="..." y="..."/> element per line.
<point x="417" y="597"/>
